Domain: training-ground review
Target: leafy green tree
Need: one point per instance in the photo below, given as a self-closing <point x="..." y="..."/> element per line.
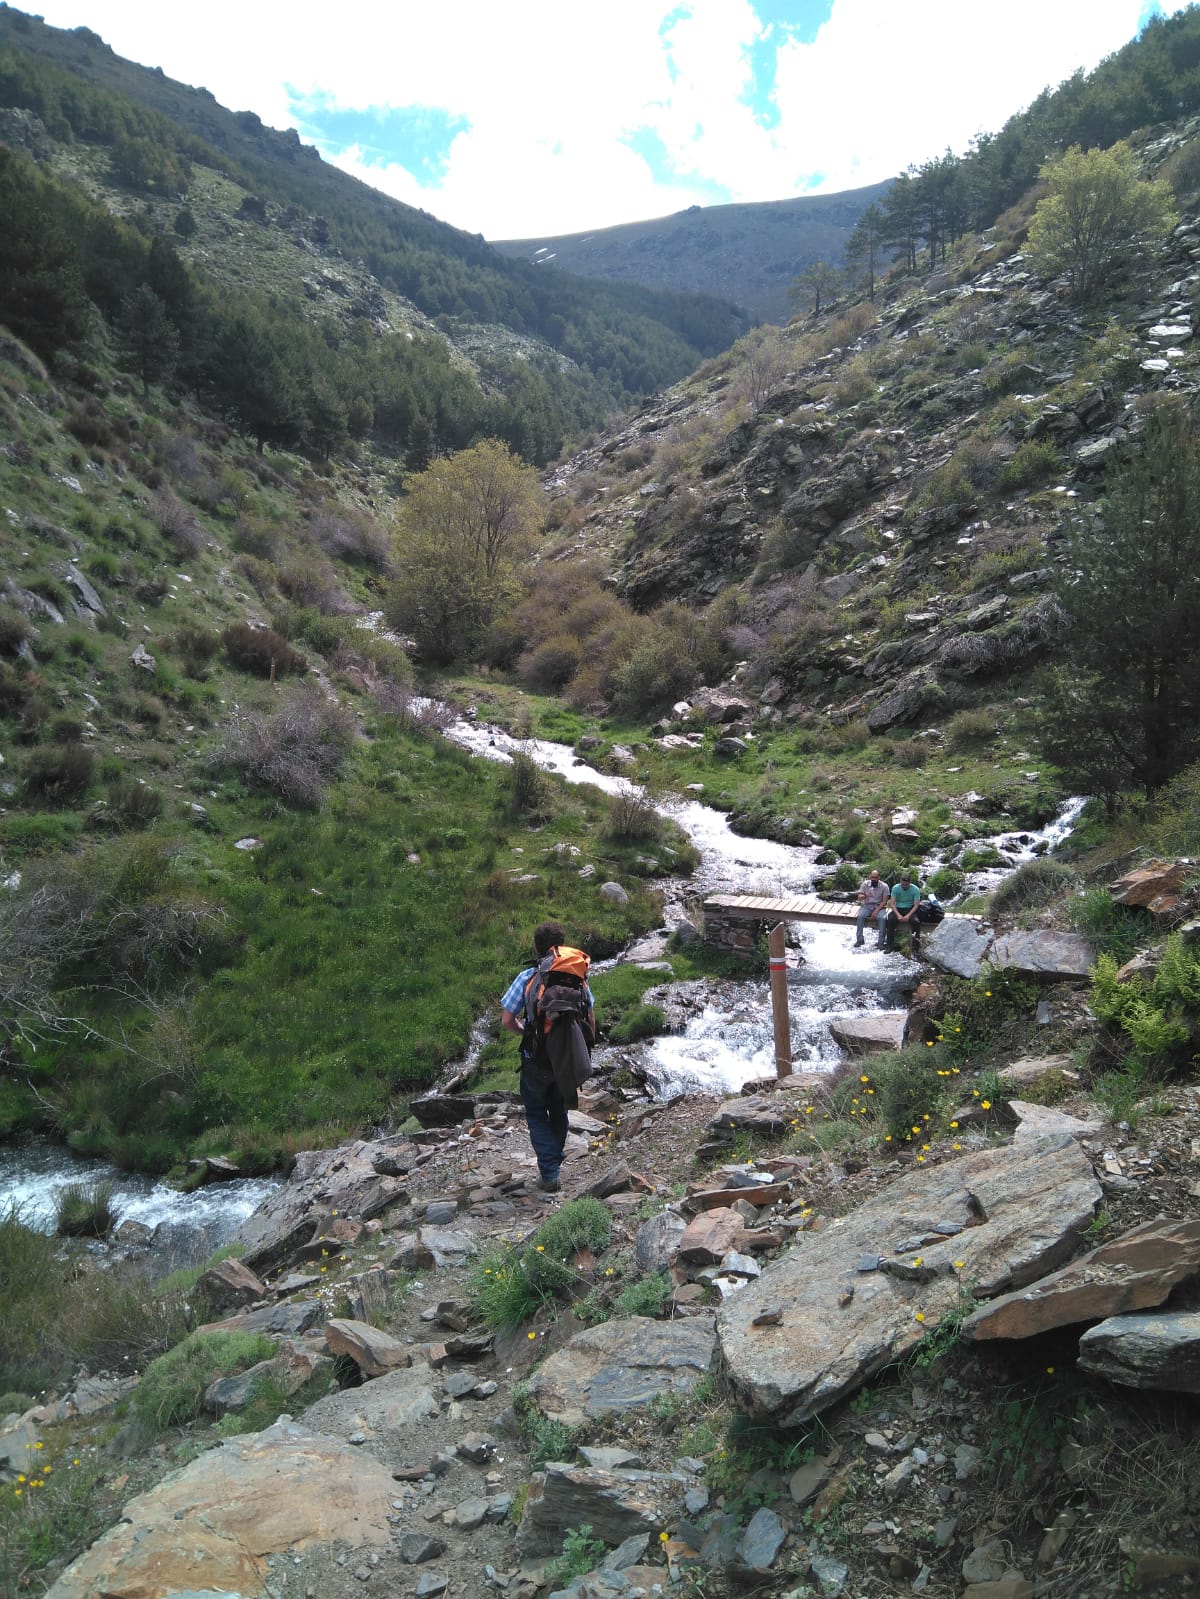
<point x="465" y="523"/>
<point x="901" y="207"/>
<point x="820" y="281"/>
<point x="1125" y="709"/>
<point x="1094" y="216"/>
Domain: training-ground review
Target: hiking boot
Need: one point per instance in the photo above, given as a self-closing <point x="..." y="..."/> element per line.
<point x="550" y="1185"/>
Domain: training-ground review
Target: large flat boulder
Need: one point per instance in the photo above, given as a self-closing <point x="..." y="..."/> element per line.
<point x="869" y="1034"/>
<point x="384" y="1410"/>
<point x="956" y="945"/>
<point x="214" y="1525"/>
<point x="1138" y="1269"/>
<point x="622" y="1365"/>
<point x="862" y="1292"/>
<point x="1160" y="1351"/>
<point x="1044" y="955"/>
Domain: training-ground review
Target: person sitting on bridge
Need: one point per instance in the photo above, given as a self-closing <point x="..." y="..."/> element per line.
<point x="903" y="911"/>
<point x="873" y="903"/>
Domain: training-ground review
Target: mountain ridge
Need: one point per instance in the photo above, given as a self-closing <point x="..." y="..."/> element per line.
<point x="747" y="251"/>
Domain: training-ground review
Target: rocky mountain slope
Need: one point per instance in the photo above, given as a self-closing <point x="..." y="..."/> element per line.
<point x="749" y="253"/>
<point x="872" y="502"/>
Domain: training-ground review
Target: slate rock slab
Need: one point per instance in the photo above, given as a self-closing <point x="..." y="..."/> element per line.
<point x="1047" y="956"/>
<point x="621" y="1365"/>
<point x="615" y="1504"/>
<point x="282" y="1490"/>
<point x="1136" y="1270"/>
<point x="384" y="1409"/>
<point x="1159" y="1351"/>
<point x="1021" y="1209"/>
<point x="956" y="945"/>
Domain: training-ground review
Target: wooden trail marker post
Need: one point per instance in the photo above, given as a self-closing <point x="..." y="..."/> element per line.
<point x="777" y="951"/>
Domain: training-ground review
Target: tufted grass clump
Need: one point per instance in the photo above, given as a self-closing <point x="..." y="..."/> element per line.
<point x="1037" y="882"/>
<point x="171" y="1392"/>
<point x="509" y="1286"/>
<point x="85" y="1210"/>
<point x="645" y="1021"/>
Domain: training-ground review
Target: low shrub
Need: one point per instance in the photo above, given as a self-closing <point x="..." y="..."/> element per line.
<point x="580" y="1553"/>
<point x="631" y="818"/>
<point x="15" y="630"/>
<point x="293" y="751"/>
<point x="550" y="665"/>
<point x="177" y="523"/>
<point x="58" y="774"/>
<point x="314" y="586"/>
<point x="908" y="1092"/>
<point x="648" y="1296"/>
<point x="510" y="1286"/>
<point x="196" y="647"/>
<point x="1032" y="462"/>
<point x="262" y="651"/>
<point x="911" y="752"/>
<point x="968" y="728"/>
<point x="1109" y="927"/>
<point x="946" y="882"/>
<point x="171" y="1392"/>
<point x="132" y="803"/>
<point x="529" y="790"/>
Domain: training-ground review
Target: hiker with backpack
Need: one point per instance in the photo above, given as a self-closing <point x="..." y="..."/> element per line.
<point x="550" y="1007"/>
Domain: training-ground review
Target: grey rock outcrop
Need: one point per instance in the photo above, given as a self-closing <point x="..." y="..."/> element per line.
<point x="1159" y="1351"/>
<point x="996" y="1220"/>
<point x="1043" y="955"/>
<point x="1134" y="1271"/>
<point x="622" y="1365"/>
<point x="615" y="1504"/>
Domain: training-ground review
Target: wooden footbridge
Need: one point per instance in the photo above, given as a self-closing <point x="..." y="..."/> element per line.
<point x="732" y="921"/>
<point x="796" y="908"/>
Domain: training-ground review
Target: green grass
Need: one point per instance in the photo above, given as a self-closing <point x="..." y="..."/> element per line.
<point x="510" y="1286"/>
<point x="172" y="1388"/>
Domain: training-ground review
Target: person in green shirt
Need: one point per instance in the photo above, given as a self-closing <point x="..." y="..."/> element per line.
<point x="902" y="912"/>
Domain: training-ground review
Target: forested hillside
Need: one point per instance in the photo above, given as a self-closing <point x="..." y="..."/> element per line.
<point x="511" y="354"/>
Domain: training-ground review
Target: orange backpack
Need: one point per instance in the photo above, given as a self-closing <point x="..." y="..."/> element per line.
<point x="562" y="968"/>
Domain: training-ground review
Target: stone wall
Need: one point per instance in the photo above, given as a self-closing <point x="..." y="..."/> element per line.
<point x="736" y="932"/>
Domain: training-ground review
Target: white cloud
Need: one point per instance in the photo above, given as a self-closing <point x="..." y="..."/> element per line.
<point x="883" y="85"/>
<point x="551" y="92"/>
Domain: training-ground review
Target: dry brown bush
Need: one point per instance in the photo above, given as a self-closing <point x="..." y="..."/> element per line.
<point x="295" y="750"/>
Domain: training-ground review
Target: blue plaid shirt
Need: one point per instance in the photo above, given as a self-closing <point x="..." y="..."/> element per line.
<point x="514" y="995"/>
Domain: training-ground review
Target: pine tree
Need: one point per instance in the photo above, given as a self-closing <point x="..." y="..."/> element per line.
<point x="1125" y="709"/>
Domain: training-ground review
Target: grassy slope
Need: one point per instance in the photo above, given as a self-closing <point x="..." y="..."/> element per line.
<point x="362" y="939"/>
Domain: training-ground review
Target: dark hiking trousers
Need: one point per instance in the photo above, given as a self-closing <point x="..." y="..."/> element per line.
<point x="546" y="1116"/>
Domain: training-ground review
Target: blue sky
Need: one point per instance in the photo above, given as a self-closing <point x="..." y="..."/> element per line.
<point x="519" y="118"/>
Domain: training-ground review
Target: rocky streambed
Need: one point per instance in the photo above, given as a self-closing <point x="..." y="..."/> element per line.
<point x="451" y="1458"/>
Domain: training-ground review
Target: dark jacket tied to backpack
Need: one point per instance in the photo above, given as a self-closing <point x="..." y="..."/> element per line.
<point x="558" y="1035"/>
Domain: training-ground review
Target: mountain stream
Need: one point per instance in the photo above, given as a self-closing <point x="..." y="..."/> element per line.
<point x="726" y="1039"/>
